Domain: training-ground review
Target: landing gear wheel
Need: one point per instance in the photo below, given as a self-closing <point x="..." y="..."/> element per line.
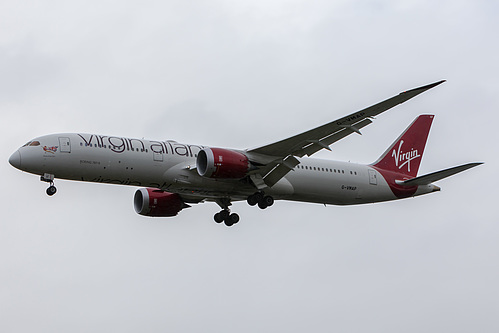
<point x="234" y="218"/>
<point x="51" y="190"/>
<point x="268" y="200"/>
<point x="252" y="200"/>
<point x="218" y="218"/>
<point x="262" y="205"/>
<point x="231" y="219"/>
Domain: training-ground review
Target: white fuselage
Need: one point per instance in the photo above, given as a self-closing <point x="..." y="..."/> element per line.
<point x="171" y="166"/>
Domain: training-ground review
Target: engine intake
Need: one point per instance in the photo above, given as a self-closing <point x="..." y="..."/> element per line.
<point x="157" y="203"/>
<point x="222" y="163"/>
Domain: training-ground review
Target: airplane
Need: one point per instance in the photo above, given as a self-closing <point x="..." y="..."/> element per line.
<point x="173" y="176"/>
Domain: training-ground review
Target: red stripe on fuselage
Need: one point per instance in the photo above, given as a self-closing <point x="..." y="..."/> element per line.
<point x="399" y="191"/>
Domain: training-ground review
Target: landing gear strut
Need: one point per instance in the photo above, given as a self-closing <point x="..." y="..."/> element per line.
<point x="224" y="215"/>
<point x="261" y="199"/>
<point x="49" y="178"/>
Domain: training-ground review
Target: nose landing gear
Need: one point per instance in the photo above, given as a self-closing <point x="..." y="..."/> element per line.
<point x="49" y="178"/>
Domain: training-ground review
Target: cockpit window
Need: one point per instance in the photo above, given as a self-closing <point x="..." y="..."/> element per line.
<point x="32" y="143"/>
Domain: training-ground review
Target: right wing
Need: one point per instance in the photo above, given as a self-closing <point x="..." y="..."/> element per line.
<point x="275" y="160"/>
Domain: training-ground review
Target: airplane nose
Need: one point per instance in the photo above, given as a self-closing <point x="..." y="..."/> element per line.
<point x="15" y="160"/>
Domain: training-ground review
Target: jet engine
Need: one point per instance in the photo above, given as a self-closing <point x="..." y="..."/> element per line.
<point x="157" y="203"/>
<point x="222" y="163"/>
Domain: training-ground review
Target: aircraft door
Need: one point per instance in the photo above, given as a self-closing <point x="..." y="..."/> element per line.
<point x="65" y="145"/>
<point x="157" y="157"/>
<point x="372" y="177"/>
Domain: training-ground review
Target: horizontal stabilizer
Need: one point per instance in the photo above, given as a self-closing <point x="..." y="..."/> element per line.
<point x="433" y="177"/>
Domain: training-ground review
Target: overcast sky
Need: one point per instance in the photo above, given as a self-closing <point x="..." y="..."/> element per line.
<point x="242" y="74"/>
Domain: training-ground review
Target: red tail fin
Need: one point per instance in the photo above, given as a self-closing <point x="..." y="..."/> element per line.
<point x="405" y="154"/>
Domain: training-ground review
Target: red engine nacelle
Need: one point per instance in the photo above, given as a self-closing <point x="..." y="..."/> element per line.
<point x="157" y="203"/>
<point x="222" y="163"/>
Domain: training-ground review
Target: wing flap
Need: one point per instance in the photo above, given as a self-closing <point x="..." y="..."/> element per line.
<point x="280" y="170"/>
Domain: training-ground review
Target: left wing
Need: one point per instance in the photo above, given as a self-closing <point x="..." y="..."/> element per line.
<point x="277" y="159"/>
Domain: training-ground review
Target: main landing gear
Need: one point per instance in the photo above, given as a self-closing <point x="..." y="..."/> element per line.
<point x="49" y="178"/>
<point x="224" y="215"/>
<point x="259" y="198"/>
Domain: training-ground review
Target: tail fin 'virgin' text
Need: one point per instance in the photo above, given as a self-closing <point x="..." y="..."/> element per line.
<point x="405" y="154"/>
